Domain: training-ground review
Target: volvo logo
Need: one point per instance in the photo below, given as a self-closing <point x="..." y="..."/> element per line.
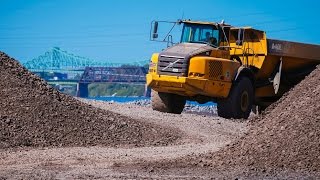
<point x="170" y="65"/>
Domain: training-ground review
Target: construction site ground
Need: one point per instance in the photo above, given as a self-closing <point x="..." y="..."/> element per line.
<point x="48" y="135"/>
<point x="202" y="134"/>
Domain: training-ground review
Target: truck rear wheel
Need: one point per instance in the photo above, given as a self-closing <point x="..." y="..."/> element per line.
<point x="166" y="102"/>
<point x="239" y="102"/>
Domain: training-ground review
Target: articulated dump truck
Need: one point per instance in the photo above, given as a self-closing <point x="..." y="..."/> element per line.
<point x="238" y="68"/>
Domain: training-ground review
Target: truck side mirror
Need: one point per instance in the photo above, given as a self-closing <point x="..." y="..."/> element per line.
<point x="155" y="30"/>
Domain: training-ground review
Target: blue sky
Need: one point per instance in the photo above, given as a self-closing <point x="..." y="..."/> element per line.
<point x="118" y="30"/>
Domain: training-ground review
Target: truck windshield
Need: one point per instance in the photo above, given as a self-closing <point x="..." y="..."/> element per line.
<point x="200" y="33"/>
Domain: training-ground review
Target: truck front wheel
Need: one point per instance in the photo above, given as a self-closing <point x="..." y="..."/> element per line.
<point x="239" y="102"/>
<point x="166" y="102"/>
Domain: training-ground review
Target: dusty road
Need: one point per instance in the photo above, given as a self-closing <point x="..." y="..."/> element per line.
<point x="203" y="134"/>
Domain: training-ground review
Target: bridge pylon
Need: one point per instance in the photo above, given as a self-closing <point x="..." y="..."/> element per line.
<point x="82" y="90"/>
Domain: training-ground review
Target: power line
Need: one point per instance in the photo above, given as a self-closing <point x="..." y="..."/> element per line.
<point x="79" y="36"/>
<point x="286" y="30"/>
<point x="81" y="44"/>
<point x="236" y="16"/>
<point x="103" y="26"/>
<point x="271" y="21"/>
<point x="83" y="26"/>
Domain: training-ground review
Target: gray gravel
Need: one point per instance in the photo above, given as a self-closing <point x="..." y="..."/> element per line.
<point x="203" y="134"/>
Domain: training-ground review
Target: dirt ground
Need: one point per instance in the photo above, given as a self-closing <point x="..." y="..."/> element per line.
<point x="48" y="135"/>
<point x="204" y="134"/>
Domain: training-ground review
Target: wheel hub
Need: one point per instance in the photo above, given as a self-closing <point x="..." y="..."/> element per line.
<point x="244" y="101"/>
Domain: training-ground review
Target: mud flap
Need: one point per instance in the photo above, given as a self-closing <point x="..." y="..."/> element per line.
<point x="277" y="78"/>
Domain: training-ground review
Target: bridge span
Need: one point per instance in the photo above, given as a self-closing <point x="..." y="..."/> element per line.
<point x="60" y="67"/>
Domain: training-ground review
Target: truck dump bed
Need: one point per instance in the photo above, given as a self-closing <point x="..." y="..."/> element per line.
<point x="298" y="60"/>
<point x="293" y="49"/>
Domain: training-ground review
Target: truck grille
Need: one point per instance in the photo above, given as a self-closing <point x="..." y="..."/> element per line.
<point x="215" y="69"/>
<point x="172" y="65"/>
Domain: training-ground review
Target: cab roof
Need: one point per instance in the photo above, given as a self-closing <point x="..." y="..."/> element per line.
<point x="188" y="21"/>
<point x="203" y="22"/>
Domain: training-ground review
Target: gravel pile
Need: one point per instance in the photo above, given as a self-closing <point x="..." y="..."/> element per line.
<point x="34" y="114"/>
<point x="286" y="138"/>
<point x="284" y="142"/>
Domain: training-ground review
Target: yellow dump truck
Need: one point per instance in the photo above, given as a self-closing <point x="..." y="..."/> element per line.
<point x="238" y="68"/>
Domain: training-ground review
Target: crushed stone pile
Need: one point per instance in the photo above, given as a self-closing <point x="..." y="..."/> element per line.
<point x="284" y="142"/>
<point x="287" y="137"/>
<point x="32" y="113"/>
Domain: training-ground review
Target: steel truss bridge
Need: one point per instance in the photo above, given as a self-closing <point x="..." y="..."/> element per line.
<point x="61" y="67"/>
<point x="57" y="59"/>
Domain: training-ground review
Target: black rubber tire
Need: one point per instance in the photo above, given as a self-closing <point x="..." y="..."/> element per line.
<point x="238" y="105"/>
<point x="166" y="102"/>
<point x="178" y="103"/>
